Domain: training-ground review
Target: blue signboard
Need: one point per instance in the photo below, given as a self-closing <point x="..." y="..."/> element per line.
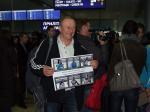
<point x="79" y="4"/>
<point x="51" y="14"/>
<point x="5" y="15"/>
<point x="19" y="15"/>
<point x="35" y="14"/>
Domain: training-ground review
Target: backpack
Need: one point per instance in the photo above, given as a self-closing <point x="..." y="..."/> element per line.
<point x="33" y="81"/>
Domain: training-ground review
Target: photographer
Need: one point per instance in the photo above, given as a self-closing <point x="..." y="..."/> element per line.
<point x="105" y="41"/>
<point x="102" y="43"/>
<point x="85" y="38"/>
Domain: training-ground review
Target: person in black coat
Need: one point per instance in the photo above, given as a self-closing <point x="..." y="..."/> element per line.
<point x="22" y="53"/>
<point x="8" y="62"/>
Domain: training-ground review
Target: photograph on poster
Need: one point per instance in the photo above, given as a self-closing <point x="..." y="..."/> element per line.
<point x="85" y="60"/>
<point x="73" y="63"/>
<point x="87" y="78"/>
<point x="74" y="80"/>
<point x="61" y="82"/>
<point x="60" y="64"/>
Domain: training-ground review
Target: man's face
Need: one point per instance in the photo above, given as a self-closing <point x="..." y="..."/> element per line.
<point x="88" y="28"/>
<point x="140" y="32"/>
<point x="51" y="32"/>
<point x="67" y="29"/>
<point x="24" y="38"/>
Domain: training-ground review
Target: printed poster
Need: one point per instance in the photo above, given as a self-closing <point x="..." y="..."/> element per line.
<point x="72" y="71"/>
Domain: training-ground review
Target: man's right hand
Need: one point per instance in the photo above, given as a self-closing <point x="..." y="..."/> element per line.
<point x="48" y="71"/>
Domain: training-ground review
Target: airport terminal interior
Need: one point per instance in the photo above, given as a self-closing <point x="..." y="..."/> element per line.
<point x="34" y="16"/>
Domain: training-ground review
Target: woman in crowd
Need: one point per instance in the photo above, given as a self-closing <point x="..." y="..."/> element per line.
<point x="137" y="54"/>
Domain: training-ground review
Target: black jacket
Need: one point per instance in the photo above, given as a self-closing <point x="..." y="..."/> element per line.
<point x="22" y="61"/>
<point x="8" y="64"/>
<point x="47" y="82"/>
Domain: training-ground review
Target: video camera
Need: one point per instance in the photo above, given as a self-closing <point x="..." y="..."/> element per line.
<point x="103" y="34"/>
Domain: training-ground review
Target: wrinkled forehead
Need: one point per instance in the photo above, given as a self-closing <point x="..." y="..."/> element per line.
<point x="68" y="21"/>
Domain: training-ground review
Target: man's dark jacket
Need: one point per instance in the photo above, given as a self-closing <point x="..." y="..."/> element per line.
<point x="47" y="82"/>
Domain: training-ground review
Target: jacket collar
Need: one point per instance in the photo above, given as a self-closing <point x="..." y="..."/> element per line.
<point x="128" y="37"/>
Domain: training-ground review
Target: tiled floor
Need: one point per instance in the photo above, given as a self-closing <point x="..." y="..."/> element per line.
<point x="29" y="109"/>
<point x="30" y="105"/>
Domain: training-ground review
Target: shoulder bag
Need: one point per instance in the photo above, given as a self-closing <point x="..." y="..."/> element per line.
<point x="125" y="75"/>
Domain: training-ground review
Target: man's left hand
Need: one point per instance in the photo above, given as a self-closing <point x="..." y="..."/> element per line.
<point x="94" y="64"/>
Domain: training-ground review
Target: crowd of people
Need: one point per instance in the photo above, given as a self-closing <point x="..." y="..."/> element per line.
<point x="74" y="38"/>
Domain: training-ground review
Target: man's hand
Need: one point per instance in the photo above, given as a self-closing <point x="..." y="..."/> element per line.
<point x="148" y="91"/>
<point x="48" y="71"/>
<point x="102" y="42"/>
<point x="94" y="64"/>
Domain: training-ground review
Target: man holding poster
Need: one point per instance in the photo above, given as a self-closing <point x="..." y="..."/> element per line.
<point x="64" y="45"/>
